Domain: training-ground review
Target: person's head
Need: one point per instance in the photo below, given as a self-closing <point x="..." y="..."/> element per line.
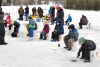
<point x="30" y="17"/>
<point x="58" y="8"/>
<point x="72" y="26"/>
<point x="81" y="40"/>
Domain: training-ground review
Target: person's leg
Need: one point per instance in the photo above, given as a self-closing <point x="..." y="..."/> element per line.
<point x="45" y="37"/>
<point x="70" y="43"/>
<point x="66" y="42"/>
<point x="41" y="35"/>
<point x="80" y="25"/>
<point x="87" y="56"/>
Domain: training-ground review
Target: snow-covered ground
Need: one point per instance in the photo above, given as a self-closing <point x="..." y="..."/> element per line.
<point x="39" y="53"/>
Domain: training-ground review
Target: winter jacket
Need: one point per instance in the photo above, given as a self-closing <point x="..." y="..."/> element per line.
<point x="21" y="11"/>
<point x="87" y="45"/>
<point x="1" y="17"/>
<point x="8" y="19"/>
<point x="60" y="17"/>
<point x="46" y="28"/>
<point x="84" y="20"/>
<point x="32" y="23"/>
<point x="73" y="34"/>
<point x="27" y="10"/>
<point x="69" y="19"/>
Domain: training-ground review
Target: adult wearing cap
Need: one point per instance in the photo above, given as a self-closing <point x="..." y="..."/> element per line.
<point x="71" y="37"/>
<point x="59" y="23"/>
<point x="2" y="29"/>
<point x="86" y="47"/>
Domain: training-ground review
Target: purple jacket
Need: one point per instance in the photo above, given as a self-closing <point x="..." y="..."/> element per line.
<point x="46" y="28"/>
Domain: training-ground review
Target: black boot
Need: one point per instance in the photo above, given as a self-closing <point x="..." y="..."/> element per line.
<point x="41" y="36"/>
<point x="45" y="37"/>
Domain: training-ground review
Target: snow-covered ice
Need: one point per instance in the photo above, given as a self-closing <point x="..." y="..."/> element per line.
<point x="39" y="53"/>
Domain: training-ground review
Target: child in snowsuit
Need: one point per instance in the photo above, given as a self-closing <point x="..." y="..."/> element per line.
<point x="31" y="27"/>
<point x="86" y="47"/>
<point x="16" y="29"/>
<point x="71" y="37"/>
<point x="45" y="31"/>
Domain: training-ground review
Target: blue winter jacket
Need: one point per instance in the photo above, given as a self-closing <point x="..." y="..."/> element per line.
<point x="69" y="19"/>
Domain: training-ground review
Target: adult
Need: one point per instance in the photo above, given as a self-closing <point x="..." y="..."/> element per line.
<point x="21" y="13"/>
<point x="83" y="21"/>
<point x="26" y="12"/>
<point x="40" y="12"/>
<point x="2" y="29"/>
<point x="34" y="12"/>
<point x="59" y="29"/>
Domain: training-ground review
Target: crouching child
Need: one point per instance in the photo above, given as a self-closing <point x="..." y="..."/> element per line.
<point x="86" y="47"/>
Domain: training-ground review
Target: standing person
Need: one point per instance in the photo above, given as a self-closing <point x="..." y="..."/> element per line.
<point x="68" y="20"/>
<point x="26" y="12"/>
<point x="34" y="12"/>
<point x="21" y="13"/>
<point x="2" y="29"/>
<point x="59" y="23"/>
<point x="0" y="3"/>
<point x="86" y="47"/>
<point x="71" y="37"/>
<point x="52" y="13"/>
<point x="83" y="21"/>
<point x="40" y="12"/>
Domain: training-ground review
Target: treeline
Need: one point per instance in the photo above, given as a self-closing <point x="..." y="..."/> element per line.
<point x="82" y="4"/>
<point x="24" y="2"/>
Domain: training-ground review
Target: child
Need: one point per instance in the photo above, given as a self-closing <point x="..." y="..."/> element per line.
<point x="16" y="29"/>
<point x="45" y="31"/>
<point x="71" y="37"/>
<point x="8" y="20"/>
<point x="68" y="20"/>
<point x="86" y="47"/>
<point x="31" y="27"/>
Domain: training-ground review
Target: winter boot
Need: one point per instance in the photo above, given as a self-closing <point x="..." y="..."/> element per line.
<point x="41" y="36"/>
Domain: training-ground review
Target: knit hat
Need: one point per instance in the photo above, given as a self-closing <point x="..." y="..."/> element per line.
<point x="72" y="26"/>
<point x="81" y="40"/>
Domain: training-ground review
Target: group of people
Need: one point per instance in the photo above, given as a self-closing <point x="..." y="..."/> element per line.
<point x="25" y="12"/>
<point x="69" y="39"/>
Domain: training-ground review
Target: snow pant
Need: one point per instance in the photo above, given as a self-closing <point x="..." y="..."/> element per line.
<point x="26" y="17"/>
<point x="80" y="25"/>
<point x="70" y="43"/>
<point x="86" y="54"/>
<point x="2" y="33"/>
<point x="67" y="23"/>
<point x="43" y="35"/>
<point x="20" y="16"/>
<point x="66" y="41"/>
<point x="55" y="36"/>
<point x="31" y="32"/>
<point x="10" y="27"/>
